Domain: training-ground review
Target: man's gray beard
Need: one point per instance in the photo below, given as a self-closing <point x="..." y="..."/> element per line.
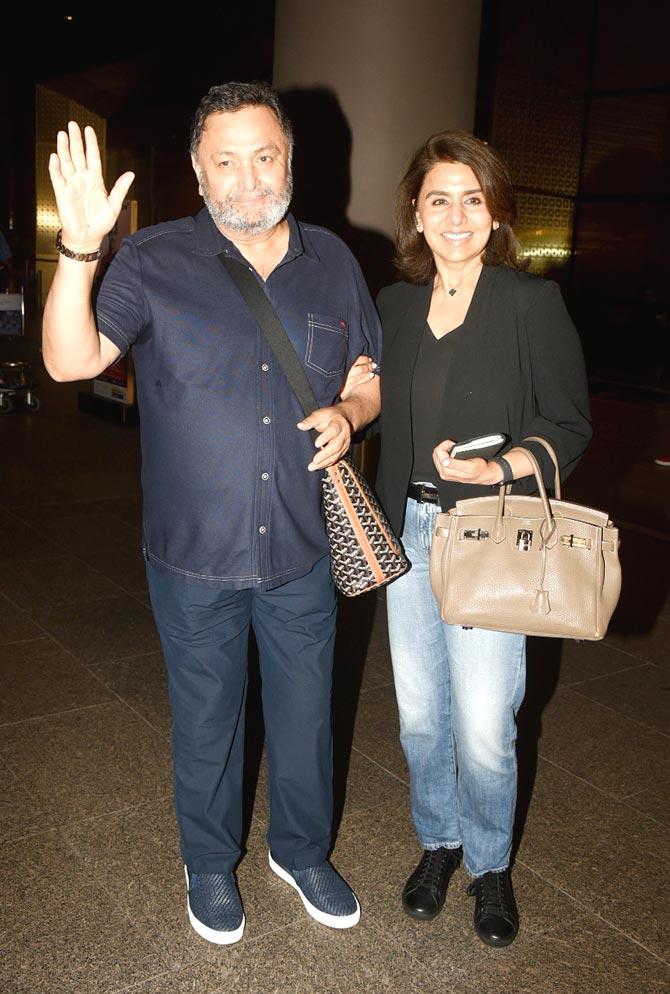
<point x="226" y="215"/>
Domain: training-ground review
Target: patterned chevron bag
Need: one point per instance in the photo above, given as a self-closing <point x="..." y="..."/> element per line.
<point x="364" y="552"/>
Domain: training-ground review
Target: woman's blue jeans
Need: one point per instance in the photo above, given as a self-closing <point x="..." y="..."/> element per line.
<point x="458" y="693"/>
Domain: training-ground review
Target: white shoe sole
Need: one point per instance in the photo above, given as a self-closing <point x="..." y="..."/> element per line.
<point x="212" y="934"/>
<point x="332" y="921"/>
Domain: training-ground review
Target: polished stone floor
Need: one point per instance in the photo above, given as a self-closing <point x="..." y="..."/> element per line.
<point x="91" y="883"/>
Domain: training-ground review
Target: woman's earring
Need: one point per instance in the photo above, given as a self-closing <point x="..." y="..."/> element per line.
<point x="496" y="225"/>
<point x="419" y="226"/>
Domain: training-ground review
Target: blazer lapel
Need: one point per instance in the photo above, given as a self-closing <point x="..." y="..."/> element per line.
<point x="404" y="347"/>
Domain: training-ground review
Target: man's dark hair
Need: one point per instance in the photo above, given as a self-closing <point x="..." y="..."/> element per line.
<point x="229" y="97"/>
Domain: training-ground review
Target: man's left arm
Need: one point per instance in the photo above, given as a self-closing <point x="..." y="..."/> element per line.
<point x="338" y="423"/>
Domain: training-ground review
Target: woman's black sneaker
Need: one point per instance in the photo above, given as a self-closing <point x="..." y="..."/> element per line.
<point x="496" y="915"/>
<point x="426" y="889"/>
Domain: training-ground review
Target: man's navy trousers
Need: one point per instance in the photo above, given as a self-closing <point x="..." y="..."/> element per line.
<point x="204" y="634"/>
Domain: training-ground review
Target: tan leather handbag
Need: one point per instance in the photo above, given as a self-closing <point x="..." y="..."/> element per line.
<point x="527" y="564"/>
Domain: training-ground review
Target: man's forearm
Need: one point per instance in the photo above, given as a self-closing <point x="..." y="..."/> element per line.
<point x="363" y="405"/>
<point x="70" y="340"/>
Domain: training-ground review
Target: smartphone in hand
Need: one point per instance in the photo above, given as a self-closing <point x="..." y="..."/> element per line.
<point x="482" y="446"/>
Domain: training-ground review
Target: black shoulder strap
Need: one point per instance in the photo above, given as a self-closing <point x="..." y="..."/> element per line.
<point x="261" y="308"/>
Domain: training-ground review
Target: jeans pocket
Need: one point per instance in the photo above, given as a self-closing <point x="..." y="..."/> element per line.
<point x="327" y="344"/>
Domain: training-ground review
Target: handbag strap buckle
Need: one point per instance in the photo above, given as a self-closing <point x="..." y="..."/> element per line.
<point x="476" y="533"/>
<point x="576" y="541"/>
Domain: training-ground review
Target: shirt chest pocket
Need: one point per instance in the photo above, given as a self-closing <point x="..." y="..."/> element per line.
<point x="327" y="344"/>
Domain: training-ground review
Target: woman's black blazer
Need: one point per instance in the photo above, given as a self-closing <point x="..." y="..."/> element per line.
<point x="522" y="373"/>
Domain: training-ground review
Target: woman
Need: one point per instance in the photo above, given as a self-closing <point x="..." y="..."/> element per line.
<point x="472" y="346"/>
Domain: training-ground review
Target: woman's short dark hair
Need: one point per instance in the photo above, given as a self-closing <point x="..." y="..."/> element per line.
<point x="414" y="259"/>
<point x="229" y="97"/>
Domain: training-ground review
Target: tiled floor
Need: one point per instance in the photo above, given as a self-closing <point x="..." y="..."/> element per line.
<point x="91" y="883"/>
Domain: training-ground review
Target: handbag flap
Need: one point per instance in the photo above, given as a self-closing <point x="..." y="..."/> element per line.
<point x="518" y="505"/>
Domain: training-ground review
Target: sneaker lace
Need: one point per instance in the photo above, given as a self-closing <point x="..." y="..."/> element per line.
<point x="490" y="893"/>
<point x="433" y="866"/>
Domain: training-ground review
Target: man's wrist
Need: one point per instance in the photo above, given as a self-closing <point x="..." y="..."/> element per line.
<point x="79" y="251"/>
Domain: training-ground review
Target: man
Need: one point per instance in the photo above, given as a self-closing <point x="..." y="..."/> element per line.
<point x="7" y="272"/>
<point x="233" y="530"/>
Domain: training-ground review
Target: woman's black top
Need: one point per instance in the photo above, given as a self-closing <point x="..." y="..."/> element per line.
<point x="432" y="360"/>
<point x="518" y="370"/>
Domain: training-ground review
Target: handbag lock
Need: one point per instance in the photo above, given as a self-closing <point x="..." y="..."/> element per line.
<point x="524" y="539"/>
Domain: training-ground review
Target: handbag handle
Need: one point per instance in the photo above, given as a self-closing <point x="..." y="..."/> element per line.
<point x="550" y="449"/>
<point x="548" y="526"/>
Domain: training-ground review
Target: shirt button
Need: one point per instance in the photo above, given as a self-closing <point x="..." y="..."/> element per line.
<point x="265" y="367"/>
<point x="265" y="476"/>
<point x="266" y="420"/>
<point x="262" y="529"/>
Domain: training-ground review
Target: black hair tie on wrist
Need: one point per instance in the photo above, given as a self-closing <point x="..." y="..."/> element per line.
<point x="508" y="472"/>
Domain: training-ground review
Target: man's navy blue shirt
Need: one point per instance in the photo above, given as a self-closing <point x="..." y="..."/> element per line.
<point x="228" y="499"/>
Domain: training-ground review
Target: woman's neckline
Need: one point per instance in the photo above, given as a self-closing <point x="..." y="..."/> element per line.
<point x="475" y="293"/>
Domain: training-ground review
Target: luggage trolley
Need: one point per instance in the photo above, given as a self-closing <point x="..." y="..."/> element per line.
<point x="17" y="379"/>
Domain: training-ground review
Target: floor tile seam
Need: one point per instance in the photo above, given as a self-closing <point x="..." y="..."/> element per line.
<point x="13" y="602"/>
<point x="27" y="793"/>
<point x="590" y="912"/>
<point x="75" y="517"/>
<point x="81" y="662"/>
<point x="87" y="666"/>
<point x="14" y="839"/>
<point x="193" y="964"/>
<point x="622" y="714"/>
<point x="57" y="553"/>
<point x="123" y="659"/>
<point x="86" y="820"/>
<point x="631" y="938"/>
<point x="32" y="638"/>
<point x="644" y="790"/>
<point x="58" y="826"/>
<point x="398" y="943"/>
<point x="625" y="652"/>
<point x="56" y="714"/>
<point x="562" y="692"/>
<point x="136" y="984"/>
<point x="639" y="811"/>
<point x="585" y="908"/>
<point x="166" y="736"/>
<point x="380" y="766"/>
<point x="104" y="576"/>
<point x="624" y="669"/>
<point x="588" y="783"/>
<point x="83" y="600"/>
<point x="59" y="503"/>
<point x="611" y="793"/>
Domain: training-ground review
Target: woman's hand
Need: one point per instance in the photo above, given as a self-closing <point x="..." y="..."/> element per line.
<point x="87" y="212"/>
<point x="476" y="470"/>
<point x="362" y="371"/>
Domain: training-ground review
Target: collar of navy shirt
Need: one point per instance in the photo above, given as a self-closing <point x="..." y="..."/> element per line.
<point x="210" y="241"/>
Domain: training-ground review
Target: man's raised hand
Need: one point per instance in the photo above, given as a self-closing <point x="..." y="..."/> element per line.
<point x="87" y="212"/>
